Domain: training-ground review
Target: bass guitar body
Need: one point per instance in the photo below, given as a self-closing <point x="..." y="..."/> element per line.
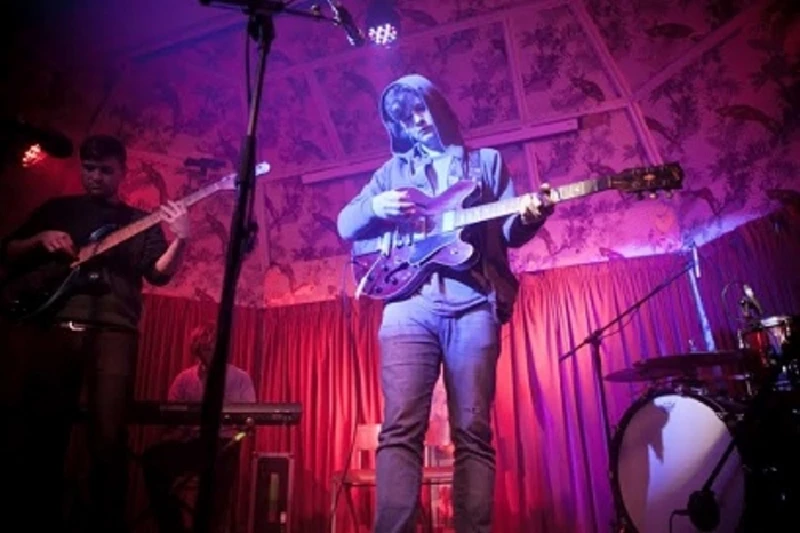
<point x="29" y="293"/>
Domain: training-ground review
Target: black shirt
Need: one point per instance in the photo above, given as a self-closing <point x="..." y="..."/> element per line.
<point x="115" y="297"/>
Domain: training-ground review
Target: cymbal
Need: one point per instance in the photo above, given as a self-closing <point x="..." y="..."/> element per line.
<point x="630" y="375"/>
<point x="686" y="361"/>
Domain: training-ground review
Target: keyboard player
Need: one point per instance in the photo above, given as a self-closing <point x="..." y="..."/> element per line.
<point x="180" y="451"/>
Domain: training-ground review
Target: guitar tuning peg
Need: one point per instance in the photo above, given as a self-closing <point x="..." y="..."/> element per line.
<point x="653" y="195"/>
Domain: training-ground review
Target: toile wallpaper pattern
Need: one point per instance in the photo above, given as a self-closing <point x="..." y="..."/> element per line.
<point x="728" y="113"/>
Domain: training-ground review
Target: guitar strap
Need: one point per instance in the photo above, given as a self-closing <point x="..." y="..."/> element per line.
<point x="474" y="173"/>
<point x="474" y="169"/>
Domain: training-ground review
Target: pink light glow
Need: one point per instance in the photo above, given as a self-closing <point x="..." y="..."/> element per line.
<point x="33" y="156"/>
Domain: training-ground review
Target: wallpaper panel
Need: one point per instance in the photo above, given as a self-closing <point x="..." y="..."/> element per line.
<point x="600" y="227"/>
<point x="561" y="70"/>
<point x="153" y="180"/>
<point x="306" y="260"/>
<point x="165" y="107"/>
<point x="291" y="134"/>
<point x="646" y="35"/>
<point x="732" y="119"/>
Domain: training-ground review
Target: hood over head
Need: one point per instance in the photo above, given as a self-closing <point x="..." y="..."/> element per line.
<point x="444" y="118"/>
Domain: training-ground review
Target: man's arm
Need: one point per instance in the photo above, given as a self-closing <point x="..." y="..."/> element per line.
<point x="177" y="389"/>
<point x="358" y="220"/>
<point x="171" y="260"/>
<point x="161" y="261"/>
<point x="517" y="230"/>
<point x="247" y="393"/>
<point x="35" y="235"/>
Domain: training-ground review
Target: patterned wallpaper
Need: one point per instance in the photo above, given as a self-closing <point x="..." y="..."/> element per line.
<point x="712" y="84"/>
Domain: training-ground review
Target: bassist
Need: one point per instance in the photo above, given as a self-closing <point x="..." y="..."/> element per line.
<point x="88" y="340"/>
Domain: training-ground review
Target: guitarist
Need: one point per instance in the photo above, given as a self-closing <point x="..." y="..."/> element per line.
<point x="88" y="341"/>
<point x="452" y="321"/>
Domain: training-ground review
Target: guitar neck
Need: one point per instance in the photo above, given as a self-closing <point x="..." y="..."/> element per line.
<point x="131" y="230"/>
<point x="511" y="206"/>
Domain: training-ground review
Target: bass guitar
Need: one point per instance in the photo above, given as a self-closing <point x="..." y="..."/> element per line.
<point x="26" y="294"/>
<point x="407" y="255"/>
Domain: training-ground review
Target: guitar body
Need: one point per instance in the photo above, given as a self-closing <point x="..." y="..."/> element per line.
<point x="30" y="293"/>
<point x="408" y="255"/>
<point x="406" y="263"/>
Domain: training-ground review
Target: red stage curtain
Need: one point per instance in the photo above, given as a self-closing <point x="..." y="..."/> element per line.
<point x="548" y="426"/>
<point x="764" y="254"/>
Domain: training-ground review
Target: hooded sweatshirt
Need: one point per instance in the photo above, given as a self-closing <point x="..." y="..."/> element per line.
<point x="446" y="292"/>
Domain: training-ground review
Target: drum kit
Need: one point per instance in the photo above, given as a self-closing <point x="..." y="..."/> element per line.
<point x="714" y="442"/>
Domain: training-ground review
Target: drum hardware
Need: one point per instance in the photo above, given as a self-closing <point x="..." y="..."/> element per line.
<point x="702" y="507"/>
<point x="656" y="456"/>
<point x="594" y="340"/>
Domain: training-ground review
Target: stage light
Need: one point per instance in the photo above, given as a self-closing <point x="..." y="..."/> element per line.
<point x="33" y="155"/>
<point x="383" y="22"/>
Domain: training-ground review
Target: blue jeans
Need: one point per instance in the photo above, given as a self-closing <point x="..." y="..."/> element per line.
<point x="414" y="343"/>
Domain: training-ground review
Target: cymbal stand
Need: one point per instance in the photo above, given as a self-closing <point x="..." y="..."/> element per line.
<point x="594" y="339"/>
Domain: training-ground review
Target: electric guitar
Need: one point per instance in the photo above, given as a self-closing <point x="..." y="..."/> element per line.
<point x="29" y="293"/>
<point x="407" y="255"/>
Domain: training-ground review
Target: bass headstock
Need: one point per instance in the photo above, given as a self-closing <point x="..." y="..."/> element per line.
<point x="230" y="182"/>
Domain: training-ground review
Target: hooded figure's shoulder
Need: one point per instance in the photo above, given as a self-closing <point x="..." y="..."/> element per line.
<point x="490" y="154"/>
<point x="489" y="158"/>
<point x="389" y="172"/>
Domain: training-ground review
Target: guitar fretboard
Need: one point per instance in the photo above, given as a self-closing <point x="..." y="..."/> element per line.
<point x="131" y="230"/>
<point x="503" y="208"/>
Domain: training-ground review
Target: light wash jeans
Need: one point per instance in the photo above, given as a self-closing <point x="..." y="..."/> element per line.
<point x="414" y="343"/>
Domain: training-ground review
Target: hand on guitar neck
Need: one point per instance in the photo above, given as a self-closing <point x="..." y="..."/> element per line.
<point x="539" y="206"/>
<point x="174" y="214"/>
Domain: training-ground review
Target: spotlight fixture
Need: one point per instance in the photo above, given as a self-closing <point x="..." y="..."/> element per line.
<point x="383" y="22"/>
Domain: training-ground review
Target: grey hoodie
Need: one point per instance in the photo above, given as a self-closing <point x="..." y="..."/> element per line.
<point x="447" y="292"/>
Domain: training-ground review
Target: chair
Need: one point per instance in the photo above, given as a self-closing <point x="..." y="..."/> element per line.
<point x="360" y="475"/>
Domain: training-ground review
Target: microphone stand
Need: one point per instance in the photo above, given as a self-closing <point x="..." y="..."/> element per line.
<point x="242" y="238"/>
<point x="595" y="340"/>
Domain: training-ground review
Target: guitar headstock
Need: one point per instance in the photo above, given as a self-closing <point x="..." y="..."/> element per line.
<point x="229" y="182"/>
<point x="667" y="177"/>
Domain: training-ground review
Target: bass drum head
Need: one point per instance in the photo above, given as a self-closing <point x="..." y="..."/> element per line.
<point x="666" y="447"/>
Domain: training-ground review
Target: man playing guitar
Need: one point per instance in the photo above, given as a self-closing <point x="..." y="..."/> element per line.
<point x="87" y="340"/>
<point x="452" y="320"/>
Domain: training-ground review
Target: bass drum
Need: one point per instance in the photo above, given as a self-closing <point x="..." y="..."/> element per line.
<point x="666" y="447"/>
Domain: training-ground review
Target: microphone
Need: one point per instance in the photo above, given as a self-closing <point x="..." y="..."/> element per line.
<point x="204" y="163"/>
<point x="343" y="18"/>
<point x="749" y="299"/>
